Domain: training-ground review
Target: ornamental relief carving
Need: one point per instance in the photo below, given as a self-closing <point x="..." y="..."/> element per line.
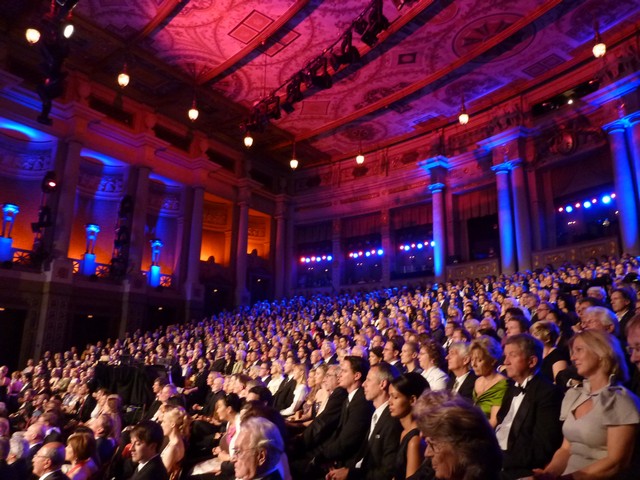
<point x="216" y="216"/>
<point x="167" y="203"/>
<point x="26" y="164"/>
<point x="101" y="185"/>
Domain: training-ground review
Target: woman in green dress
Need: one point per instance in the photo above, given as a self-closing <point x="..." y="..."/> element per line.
<point x="490" y="385"/>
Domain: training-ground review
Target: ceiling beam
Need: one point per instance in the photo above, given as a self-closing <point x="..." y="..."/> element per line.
<point x="430" y="79"/>
<point x="256" y="43"/>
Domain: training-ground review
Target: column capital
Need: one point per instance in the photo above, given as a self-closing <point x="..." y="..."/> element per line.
<point x="436" y="187"/>
<point x="504" y="137"/>
<point x="502" y="168"/>
<point x="619" y="125"/>
<point x="435" y="162"/>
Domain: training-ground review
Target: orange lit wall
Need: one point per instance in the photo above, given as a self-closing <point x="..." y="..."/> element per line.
<point x="214" y="244"/>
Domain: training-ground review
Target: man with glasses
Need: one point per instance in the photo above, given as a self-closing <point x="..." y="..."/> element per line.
<point x="48" y="461"/>
<point x="258" y="451"/>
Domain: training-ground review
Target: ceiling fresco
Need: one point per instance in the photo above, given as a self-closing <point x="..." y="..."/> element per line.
<point x="233" y="54"/>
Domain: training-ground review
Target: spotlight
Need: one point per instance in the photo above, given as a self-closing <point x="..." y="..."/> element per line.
<point x="272" y="105"/>
<point x="123" y="77"/>
<point x="348" y="53"/>
<point x="49" y="182"/>
<point x="587" y="204"/>
<point x="568" y="209"/>
<point x="380" y="252"/>
<point x="433" y="243"/>
<point x="320" y="77"/>
<point x="606" y="199"/>
<point x="33" y="36"/>
<point x="329" y="258"/>
<point x="294" y="95"/>
<point x="376" y="24"/>
<point x="248" y="139"/>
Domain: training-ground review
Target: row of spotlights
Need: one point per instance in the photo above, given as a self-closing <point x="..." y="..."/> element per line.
<point x="419" y="245"/>
<point x="316" y="259"/>
<point x="33" y="34"/>
<point x="606" y="200"/>
<point x="368" y="253"/>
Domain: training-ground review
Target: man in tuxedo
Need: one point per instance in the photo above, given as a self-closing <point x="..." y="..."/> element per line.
<point x="623" y="305"/>
<point x="86" y="404"/>
<point x="158" y="384"/>
<point x="328" y="351"/>
<point x="283" y="397"/>
<point x="391" y="352"/>
<point x="48" y="461"/>
<point x="529" y="430"/>
<point x="459" y="364"/>
<point x="325" y="422"/>
<point x="146" y="441"/>
<point x="344" y="445"/>
<point x="258" y="450"/>
<point x="377" y="455"/>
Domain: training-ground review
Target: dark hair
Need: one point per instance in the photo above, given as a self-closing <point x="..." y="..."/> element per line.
<point x="232" y="400"/>
<point x="149" y="432"/>
<point x="264" y="394"/>
<point x="377" y="351"/>
<point x="436" y="353"/>
<point x="410" y="384"/>
<point x="522" y="321"/>
<point x="358" y="365"/>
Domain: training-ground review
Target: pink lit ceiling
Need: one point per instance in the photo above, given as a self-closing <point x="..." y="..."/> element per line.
<point x="233" y="53"/>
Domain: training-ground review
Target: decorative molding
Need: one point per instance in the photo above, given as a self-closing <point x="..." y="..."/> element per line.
<point x="106" y="186"/>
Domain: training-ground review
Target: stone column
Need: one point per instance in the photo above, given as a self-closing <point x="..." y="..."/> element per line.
<point x="140" y="193"/>
<point x="241" y="293"/>
<point x="437" y="202"/>
<point x="385" y="234"/>
<point x="281" y="236"/>
<point x="536" y="222"/>
<point x="195" y="237"/>
<point x="336" y="251"/>
<point x="521" y="216"/>
<point x="549" y="210"/>
<point x="505" y="219"/>
<point x="449" y="222"/>
<point x="292" y="264"/>
<point x="633" y="140"/>
<point x="68" y="177"/>
<point x="623" y="177"/>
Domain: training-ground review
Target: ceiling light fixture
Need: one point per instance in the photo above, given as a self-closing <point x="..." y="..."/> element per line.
<point x="348" y="53"/>
<point x="33" y="35"/>
<point x="599" y="47"/>
<point x="123" y="76"/>
<point x="193" y="111"/>
<point x="248" y="139"/>
<point x="463" y="117"/>
<point x="293" y="163"/>
<point x="67" y="30"/>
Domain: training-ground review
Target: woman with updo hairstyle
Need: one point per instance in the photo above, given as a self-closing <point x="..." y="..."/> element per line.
<point x="460" y="442"/>
<point x="404" y="391"/>
<point x="81" y="446"/>
<point x="553" y="359"/>
<point x="175" y="426"/>
<point x="600" y="416"/>
<point x="375" y="356"/>
<point x="490" y="386"/>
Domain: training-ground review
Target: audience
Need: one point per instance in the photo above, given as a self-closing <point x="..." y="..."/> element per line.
<point x="307" y="357"/>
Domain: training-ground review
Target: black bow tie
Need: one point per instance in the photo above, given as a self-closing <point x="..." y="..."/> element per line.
<point x="519" y="389"/>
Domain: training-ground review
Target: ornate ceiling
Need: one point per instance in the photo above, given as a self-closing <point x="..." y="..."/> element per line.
<point x="234" y="53"/>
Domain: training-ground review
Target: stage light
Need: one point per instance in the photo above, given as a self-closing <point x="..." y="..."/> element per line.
<point x="193" y="112"/>
<point x="587" y="204"/>
<point x="561" y="209"/>
<point x="613" y="195"/>
<point x="433" y="243"/>
<point x="68" y="30"/>
<point x="329" y="258"/>
<point x="599" y="48"/>
<point x="348" y="53"/>
<point x="360" y="159"/>
<point x="380" y="252"/>
<point x="320" y="75"/>
<point x="568" y="209"/>
<point x="49" y="182"/>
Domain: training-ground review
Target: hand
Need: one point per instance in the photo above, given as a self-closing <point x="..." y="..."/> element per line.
<point x="337" y="474"/>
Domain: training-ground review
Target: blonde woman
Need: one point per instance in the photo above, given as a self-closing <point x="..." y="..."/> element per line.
<point x="175" y="426"/>
<point x="490" y="385"/>
<point x="554" y="360"/>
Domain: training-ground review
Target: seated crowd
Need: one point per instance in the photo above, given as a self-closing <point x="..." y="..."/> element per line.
<point x="534" y="375"/>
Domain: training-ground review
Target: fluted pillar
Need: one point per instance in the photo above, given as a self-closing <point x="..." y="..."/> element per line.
<point x="195" y="236"/>
<point x="140" y="193"/>
<point x="385" y="235"/>
<point x="336" y="251"/>
<point x="281" y="236"/>
<point x="505" y="219"/>
<point x="242" y="239"/>
<point x="68" y="177"/>
<point x="521" y="216"/>
<point x="633" y="139"/>
<point x="437" y="204"/>
<point x="623" y="177"/>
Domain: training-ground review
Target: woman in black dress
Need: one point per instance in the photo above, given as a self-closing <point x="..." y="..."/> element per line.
<point x="403" y="393"/>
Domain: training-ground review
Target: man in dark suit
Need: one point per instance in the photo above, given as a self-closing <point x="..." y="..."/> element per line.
<point x="158" y="384"/>
<point x="34" y="435"/>
<point x="344" y="445"/>
<point x="377" y="455"/>
<point x="146" y="441"/>
<point x="326" y="422"/>
<point x="283" y="397"/>
<point x="86" y="405"/>
<point x="459" y="364"/>
<point x="529" y="430"/>
<point x="49" y="460"/>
